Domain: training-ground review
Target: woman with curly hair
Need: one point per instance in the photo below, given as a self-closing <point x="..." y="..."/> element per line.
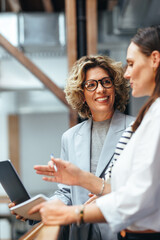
<point x="75" y="88"/>
<point x="97" y="89"/>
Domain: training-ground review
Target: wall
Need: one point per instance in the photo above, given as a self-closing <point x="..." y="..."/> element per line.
<point x="40" y="135"/>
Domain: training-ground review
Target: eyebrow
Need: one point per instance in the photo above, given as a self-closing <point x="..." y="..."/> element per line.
<point x="99" y="79"/>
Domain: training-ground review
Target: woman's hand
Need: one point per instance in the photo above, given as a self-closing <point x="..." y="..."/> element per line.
<point x="60" y="171"/>
<point x="13" y="213"/>
<point x="55" y="212"/>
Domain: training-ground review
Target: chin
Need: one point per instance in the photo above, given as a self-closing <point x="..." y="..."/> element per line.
<point x="133" y="94"/>
<point x="138" y="95"/>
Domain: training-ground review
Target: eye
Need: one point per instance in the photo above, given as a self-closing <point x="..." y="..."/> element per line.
<point x="130" y="64"/>
<point x="106" y="81"/>
<point x="90" y="84"/>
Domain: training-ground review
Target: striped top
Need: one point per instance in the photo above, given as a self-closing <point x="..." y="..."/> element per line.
<point x="126" y="136"/>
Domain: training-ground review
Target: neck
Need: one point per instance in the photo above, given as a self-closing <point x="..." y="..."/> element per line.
<point x="101" y="118"/>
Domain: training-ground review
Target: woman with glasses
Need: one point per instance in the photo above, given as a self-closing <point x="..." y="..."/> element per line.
<point x="97" y="89"/>
<point x="133" y="206"/>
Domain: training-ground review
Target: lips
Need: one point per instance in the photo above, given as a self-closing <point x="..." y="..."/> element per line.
<point x="131" y="84"/>
<point x="102" y="99"/>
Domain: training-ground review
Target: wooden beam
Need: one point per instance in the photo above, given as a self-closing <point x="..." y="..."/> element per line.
<point x="4" y="199"/>
<point x="32" y="233"/>
<point x="111" y="4"/>
<point x="41" y="232"/>
<point x="13" y="136"/>
<point x="14" y="5"/>
<point x="73" y="116"/>
<point x="33" y="69"/>
<point x="49" y="233"/>
<point x="48" y="5"/>
<point x="91" y="16"/>
<point x="71" y="27"/>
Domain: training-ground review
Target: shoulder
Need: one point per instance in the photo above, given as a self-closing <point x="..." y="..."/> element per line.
<point x="155" y="107"/>
<point x="153" y="113"/>
<point x="80" y="126"/>
<point x="125" y="117"/>
<point x="121" y="120"/>
<point x="129" y="119"/>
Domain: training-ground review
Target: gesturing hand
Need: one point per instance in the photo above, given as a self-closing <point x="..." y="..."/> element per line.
<point x="60" y="171"/>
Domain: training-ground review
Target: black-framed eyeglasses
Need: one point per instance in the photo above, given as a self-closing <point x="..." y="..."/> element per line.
<point x="91" y="85"/>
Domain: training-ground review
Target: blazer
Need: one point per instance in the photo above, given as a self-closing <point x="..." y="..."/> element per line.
<point x="75" y="147"/>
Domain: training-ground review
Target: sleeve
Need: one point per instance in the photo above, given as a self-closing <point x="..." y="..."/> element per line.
<point x="139" y="196"/>
<point x="64" y="191"/>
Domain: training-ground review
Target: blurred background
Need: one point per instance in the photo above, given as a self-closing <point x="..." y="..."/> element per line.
<point x="39" y="42"/>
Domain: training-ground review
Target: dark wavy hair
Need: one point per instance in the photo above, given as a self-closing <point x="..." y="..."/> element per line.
<point x="74" y="90"/>
<point x="148" y="40"/>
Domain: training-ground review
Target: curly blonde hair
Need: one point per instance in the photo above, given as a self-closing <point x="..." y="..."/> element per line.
<point x="74" y="89"/>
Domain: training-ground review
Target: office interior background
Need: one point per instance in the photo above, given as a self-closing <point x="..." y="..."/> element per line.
<point x="32" y="117"/>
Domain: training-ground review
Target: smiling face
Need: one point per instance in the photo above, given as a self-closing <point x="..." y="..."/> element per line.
<point x="100" y="101"/>
<point x="139" y="72"/>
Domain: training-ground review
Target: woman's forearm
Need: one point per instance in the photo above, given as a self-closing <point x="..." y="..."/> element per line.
<point x="92" y="214"/>
<point x="57" y="213"/>
<point x="70" y="174"/>
<point x="93" y="183"/>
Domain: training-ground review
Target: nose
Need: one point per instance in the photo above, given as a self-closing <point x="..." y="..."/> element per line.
<point x="127" y="74"/>
<point x="100" y="88"/>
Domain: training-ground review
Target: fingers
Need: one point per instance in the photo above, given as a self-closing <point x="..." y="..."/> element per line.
<point x="11" y="204"/>
<point x="50" y="173"/>
<point x="42" y="168"/>
<point x="21" y="218"/>
<point x="49" y="179"/>
<point x="51" y="164"/>
<point x="45" y="168"/>
<point x="18" y="216"/>
<point x="35" y="209"/>
<point x="13" y="213"/>
<point x="90" y="195"/>
<point x="91" y="199"/>
<point x="24" y="220"/>
<point x="58" y="162"/>
<point x="88" y="202"/>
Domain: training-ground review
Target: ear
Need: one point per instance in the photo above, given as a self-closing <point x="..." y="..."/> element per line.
<point x="155" y="55"/>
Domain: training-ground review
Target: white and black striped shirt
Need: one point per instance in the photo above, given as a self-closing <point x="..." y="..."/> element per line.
<point x="126" y="136"/>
